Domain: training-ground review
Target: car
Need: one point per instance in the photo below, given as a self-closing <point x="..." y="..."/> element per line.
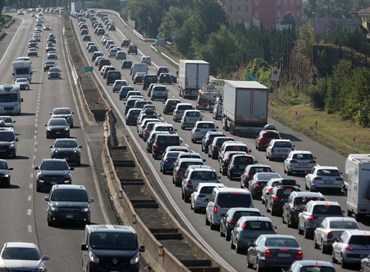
<point x="86" y="38"/>
<point x="265" y="137"/>
<point x="112" y="76"/>
<point x="111" y="27"/>
<point x="104" y="70"/>
<point x="47" y="27"/>
<point x="165" y="78"/>
<point x="22" y="256"/>
<point x="131" y="116"/>
<point x="314" y="213"/>
<point x="278" y="196"/>
<point x="232" y="146"/>
<point x="57" y="127"/>
<point x="180" y="167"/>
<point x="54" y="72"/>
<point x="179" y="110"/>
<point x="121" y="55"/>
<point x="311" y="265"/>
<point x="32" y="52"/>
<point x="132" y="49"/>
<point x="50" y="48"/>
<point x="63" y="112"/>
<point x="351" y="247"/>
<point x="208" y="138"/>
<point x="139" y="77"/>
<point x="330" y="230"/>
<point x="189" y="118"/>
<point x="48" y="64"/>
<point x="84" y="31"/>
<point x="131" y="102"/>
<point x="7" y="121"/>
<point x="33" y="44"/>
<point x="225" y="160"/>
<point x="20" y="12"/>
<point x="23" y="83"/>
<point x="95" y="55"/>
<point x="299" y="161"/>
<point x="200" y="129"/>
<point x="51" y="172"/>
<point x="68" y="203"/>
<point x="126" y="64"/>
<point x="147" y="126"/>
<point x="232" y="216"/>
<point x="5" y="173"/>
<point x="267" y="190"/>
<point x="259" y="181"/>
<point x="150" y="140"/>
<point x="199" y="198"/>
<point x="247" y="229"/>
<point x="237" y="164"/>
<point x="118" y="84"/>
<point x="103" y="62"/>
<point x="8" y="141"/>
<point x="125" y="42"/>
<point x="296" y="203"/>
<point x="270" y="127"/>
<point x="278" y="149"/>
<point x="170" y="105"/>
<point x="161" y="142"/>
<point x="100" y="31"/>
<point x="221" y="200"/>
<point x="52" y="55"/>
<point x="124" y="91"/>
<point x="112" y="52"/>
<point x="194" y="175"/>
<point x="272" y="251"/>
<point x="189" y="154"/>
<point x="249" y="172"/>
<point x="167" y="161"/>
<point x="146" y="59"/>
<point x="324" y="177"/>
<point x="116" y="243"/>
<point x="149" y="79"/>
<point x="68" y="149"/>
<point x="214" y="147"/>
<point x="92" y="48"/>
<point x="365" y="264"/>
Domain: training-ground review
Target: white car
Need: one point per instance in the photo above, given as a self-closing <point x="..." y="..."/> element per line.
<point x="200" y="130"/>
<point x="278" y="149"/>
<point x="118" y="84"/>
<point x="23" y="83"/>
<point x="330" y="230"/>
<point x="324" y="177"/>
<point x="146" y="59"/>
<point x="299" y="162"/>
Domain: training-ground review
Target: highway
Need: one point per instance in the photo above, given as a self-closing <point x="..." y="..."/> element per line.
<point x="195" y="223"/>
<point x="22" y="209"/>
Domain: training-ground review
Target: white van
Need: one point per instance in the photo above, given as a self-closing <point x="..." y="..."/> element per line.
<point x="189" y="118"/>
<point x="138" y="67"/>
<point x="358" y="196"/>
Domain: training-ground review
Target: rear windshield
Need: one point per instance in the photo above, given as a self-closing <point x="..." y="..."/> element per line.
<point x="193" y="114"/>
<point x="317" y="268"/>
<point x="328" y="209"/>
<point x="164" y="128"/>
<point x="236" y="148"/>
<point x="166" y="139"/>
<point x="271" y="135"/>
<point x="231" y="200"/>
<point x="206" y="125"/>
<point x="239" y="214"/>
<point x="207" y="190"/>
<point x="204" y="175"/>
<point x="305" y="200"/>
<point x="254" y="170"/>
<point x="360" y="240"/>
<point x="268" y="176"/>
<point x="243" y="160"/>
<point x="328" y="172"/>
<point x="343" y="225"/>
<point x="185" y="107"/>
<point x="281" y="242"/>
<point x="160" y="89"/>
<point x="185" y="165"/>
<point x="303" y="157"/>
<point x="258" y="225"/>
<point x="285" y="193"/>
<point x="283" y="144"/>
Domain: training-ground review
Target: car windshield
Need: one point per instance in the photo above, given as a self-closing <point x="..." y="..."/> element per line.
<point x="8" y="97"/>
<point x="58" y="122"/>
<point x="113" y="241"/>
<point x="20" y="253"/>
<point x="343" y="225"/>
<point x="54" y="165"/>
<point x="193" y="114"/>
<point x="231" y="200"/>
<point x="204" y="175"/>
<point x="236" y="148"/>
<point x="363" y="240"/>
<point x="160" y="89"/>
<point x="267" y="176"/>
<point x="206" y="125"/>
<point x="244" y="160"/>
<point x="317" y="268"/>
<point x="185" y="165"/>
<point x="328" y="209"/>
<point x="328" y="172"/>
<point x="283" y="144"/>
<point x="3" y="165"/>
<point x="258" y="225"/>
<point x="7" y="136"/>
<point x="185" y="107"/>
<point x="207" y="190"/>
<point x="62" y="111"/>
<point x="72" y="195"/>
<point x="65" y="144"/>
<point x="281" y="242"/>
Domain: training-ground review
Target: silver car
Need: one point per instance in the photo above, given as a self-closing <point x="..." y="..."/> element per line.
<point x="299" y="162"/>
<point x="63" y="112"/>
<point x="273" y="251"/>
<point x="351" y="247"/>
<point x="311" y="266"/>
<point x="199" y="198"/>
<point x="247" y="230"/>
<point x="278" y="149"/>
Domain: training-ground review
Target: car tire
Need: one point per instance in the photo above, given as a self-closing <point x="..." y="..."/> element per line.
<point x="315" y="244"/>
<point x="273" y="212"/>
<point x="212" y="226"/>
<point x="249" y="265"/>
<point x="306" y="233"/>
<point x="232" y="246"/>
<point x="343" y="264"/>
<point x="333" y="259"/>
<point x="221" y="233"/>
<point x="50" y="223"/>
<point x="324" y="249"/>
<point x="206" y="221"/>
<point x="258" y="268"/>
<point x="237" y="249"/>
<point x="300" y="231"/>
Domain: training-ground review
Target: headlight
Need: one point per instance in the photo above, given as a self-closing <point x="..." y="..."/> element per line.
<point x="66" y="129"/>
<point x="75" y="151"/>
<point x="6" y="175"/>
<point x="93" y="258"/>
<point x="85" y="209"/>
<point x="41" y="269"/>
<point x="54" y="208"/>
<point x="135" y="259"/>
<point x="12" y="145"/>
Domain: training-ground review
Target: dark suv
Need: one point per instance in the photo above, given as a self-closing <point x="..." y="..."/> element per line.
<point x="8" y="141"/>
<point x="149" y="79"/>
<point x="132" y="49"/>
<point x="162" y="141"/>
<point x="110" y="248"/>
<point x="278" y="197"/>
<point x="68" y="203"/>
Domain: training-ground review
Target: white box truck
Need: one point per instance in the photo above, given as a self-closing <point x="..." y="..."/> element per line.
<point x="245" y="107"/>
<point x="22" y="69"/>
<point x="193" y="74"/>
<point x="358" y="189"/>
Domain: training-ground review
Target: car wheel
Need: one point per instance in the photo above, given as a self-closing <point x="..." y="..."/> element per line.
<point x="306" y="233"/>
<point x="324" y="249"/>
<point x="283" y="219"/>
<point x="249" y="265"/>
<point x="212" y="226"/>
<point x="50" y="223"/>
<point x="237" y="249"/>
<point x="207" y="222"/>
<point x="186" y="198"/>
<point x="288" y="172"/>
<point x="300" y="231"/>
<point x="343" y="264"/>
<point x="196" y="210"/>
<point x="222" y="234"/>
<point x="232" y="246"/>
<point x="333" y="259"/>
<point x="273" y="212"/>
<point x="258" y="268"/>
<point x="182" y="194"/>
<point x="315" y="244"/>
<point x="227" y="236"/>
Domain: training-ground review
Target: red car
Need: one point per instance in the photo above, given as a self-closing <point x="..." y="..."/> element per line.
<point x="265" y="137"/>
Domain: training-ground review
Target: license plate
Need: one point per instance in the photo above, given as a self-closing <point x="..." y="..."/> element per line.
<point x="53" y="183"/>
<point x="58" y="132"/>
<point x="302" y="164"/>
<point x="284" y="255"/>
<point x="69" y="216"/>
<point x="328" y="182"/>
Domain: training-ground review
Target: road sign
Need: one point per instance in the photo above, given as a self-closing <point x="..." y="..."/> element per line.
<point x="251" y="77"/>
<point x="89" y="69"/>
<point x="275" y="74"/>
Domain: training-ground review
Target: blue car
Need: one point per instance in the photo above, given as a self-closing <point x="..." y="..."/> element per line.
<point x="167" y="161"/>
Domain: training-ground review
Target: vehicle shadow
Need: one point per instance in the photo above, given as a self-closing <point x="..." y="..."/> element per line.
<point x="69" y="225"/>
<point x="20" y="158"/>
<point x="12" y="186"/>
<point x="27" y="114"/>
<point x="290" y="137"/>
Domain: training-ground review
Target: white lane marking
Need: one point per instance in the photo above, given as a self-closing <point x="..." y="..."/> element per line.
<point x="10" y="46"/>
<point x="31" y="175"/>
<point x="29" y="212"/>
<point x="31" y="186"/>
<point x="29" y="228"/>
<point x="29" y="198"/>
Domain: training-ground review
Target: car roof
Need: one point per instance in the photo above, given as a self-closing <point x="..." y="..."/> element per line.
<point x="305" y="194"/>
<point x="281" y="140"/>
<point x="111" y="228"/>
<point x="65" y="139"/>
<point x="338" y="218"/>
<point x="327" y="167"/>
<point x="258" y="165"/>
<point x="255" y="218"/>
<point x="278" y="236"/>
<point x="210" y="184"/>
<point x="313" y="263"/>
<point x="233" y="190"/>
<point x="58" y="160"/>
<point x="301" y="152"/>
<point x="190" y="160"/>
<point x="324" y="202"/>
<point x="196" y="168"/>
<point x="68" y="186"/>
<point x="242" y="209"/>
<point x="21" y="244"/>
<point x="234" y="143"/>
<point x="62" y="108"/>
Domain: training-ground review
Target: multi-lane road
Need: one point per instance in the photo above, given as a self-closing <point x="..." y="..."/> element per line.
<point x="23" y="211"/>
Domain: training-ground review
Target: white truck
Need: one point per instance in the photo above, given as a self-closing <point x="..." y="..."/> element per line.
<point x="193" y="74"/>
<point x="245" y="107"/>
<point x="10" y="99"/>
<point x="22" y="69"/>
<point x="358" y="189"/>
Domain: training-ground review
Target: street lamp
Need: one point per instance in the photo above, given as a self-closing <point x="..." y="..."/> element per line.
<point x="149" y="21"/>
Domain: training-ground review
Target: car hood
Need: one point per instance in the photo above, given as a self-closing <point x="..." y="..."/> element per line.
<point x="69" y="204"/>
<point x="54" y="172"/>
<point x="21" y="264"/>
<point x="5" y="143"/>
<point x="100" y="253"/>
<point x="57" y="127"/>
<point x="59" y="149"/>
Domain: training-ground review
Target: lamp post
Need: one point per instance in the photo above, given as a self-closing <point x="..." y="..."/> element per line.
<point x="149" y="21"/>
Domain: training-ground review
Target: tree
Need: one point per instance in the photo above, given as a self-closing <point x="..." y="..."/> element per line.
<point x="306" y="39"/>
<point x="1" y="6"/>
<point x="145" y="14"/>
<point x="174" y="20"/>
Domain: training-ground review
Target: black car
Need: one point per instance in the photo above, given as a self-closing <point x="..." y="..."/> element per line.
<point x="5" y="173"/>
<point x="125" y="43"/>
<point x="130" y="104"/>
<point x="208" y="139"/>
<point x="66" y="148"/>
<point x="132" y="49"/>
<point x="162" y="141"/>
<point x="96" y="54"/>
<point x="54" y="72"/>
<point x="149" y="79"/>
<point x="112" y="76"/>
<point x="237" y="165"/>
<point x="126" y="64"/>
<point x="132" y="115"/>
<point x="170" y="105"/>
<point x="226" y="159"/>
<point x="278" y="197"/>
<point x="8" y="146"/>
<point x="165" y="78"/>
<point x="51" y="172"/>
<point x="124" y="91"/>
<point x="58" y="128"/>
<point x="48" y="64"/>
<point x="68" y="203"/>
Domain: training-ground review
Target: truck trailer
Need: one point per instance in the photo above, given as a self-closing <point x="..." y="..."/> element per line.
<point x="245" y="107"/>
<point x="193" y="74"/>
<point x="358" y="189"/>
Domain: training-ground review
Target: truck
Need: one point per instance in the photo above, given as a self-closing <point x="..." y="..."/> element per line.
<point x="10" y="99"/>
<point x="357" y="169"/>
<point x="207" y="97"/>
<point x="245" y="107"/>
<point x="193" y="74"/>
<point x="22" y="69"/>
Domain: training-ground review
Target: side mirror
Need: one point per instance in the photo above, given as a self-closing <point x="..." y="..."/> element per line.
<point x="255" y="161"/>
<point x="46" y="198"/>
<point x="219" y="177"/>
<point x="10" y="168"/>
<point x="16" y="139"/>
<point x="83" y="247"/>
<point x="37" y="168"/>
<point x="91" y="200"/>
<point x="142" y="249"/>
<point x="71" y="168"/>
<point x="204" y="160"/>
<point x="45" y="258"/>
<point x="51" y="146"/>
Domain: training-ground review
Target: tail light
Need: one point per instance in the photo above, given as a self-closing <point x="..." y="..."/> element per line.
<point x="215" y="146"/>
<point x="293" y="207"/>
<point x="190" y="184"/>
<point x="313" y="161"/>
<point x="330" y="234"/>
<point x="270" y="190"/>
<point x="247" y="176"/>
<point x="299" y="255"/>
<point x="228" y="158"/>
<point x="311" y="217"/>
<point x="167" y="160"/>
<point x="267" y="254"/>
<point x="215" y="209"/>
<point x="233" y="221"/>
<point x="276" y="198"/>
<point x="339" y="179"/>
<point x="155" y="146"/>
<point x="349" y="247"/>
<point x="245" y="225"/>
<point x="257" y="185"/>
<point x="293" y="161"/>
<point x="147" y="131"/>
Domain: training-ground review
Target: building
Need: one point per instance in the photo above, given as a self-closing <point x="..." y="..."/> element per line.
<point x="267" y="13"/>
